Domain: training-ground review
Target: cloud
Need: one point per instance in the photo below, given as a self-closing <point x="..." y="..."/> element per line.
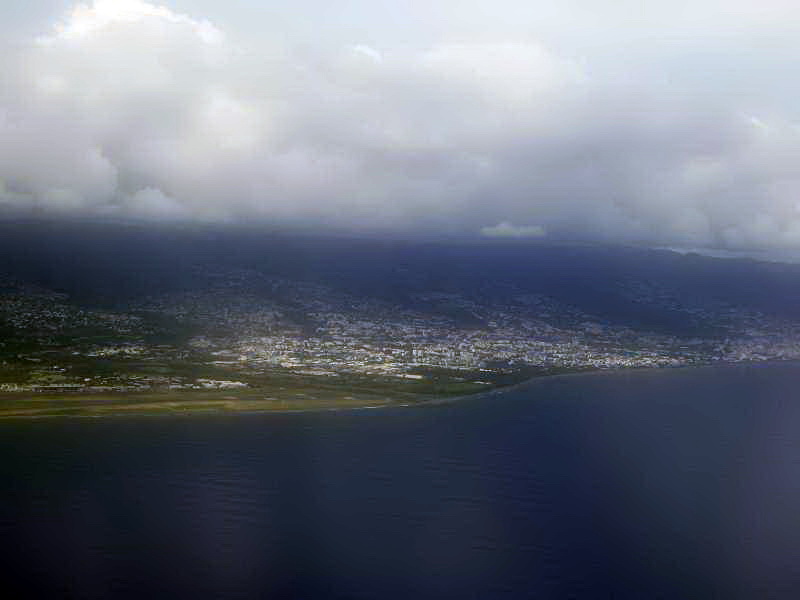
<point x="368" y="52"/>
<point x="151" y="204"/>
<point x="650" y="127"/>
<point x="507" y="230"/>
<point x="87" y="20"/>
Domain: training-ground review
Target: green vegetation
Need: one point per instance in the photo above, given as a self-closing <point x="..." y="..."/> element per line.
<point x="274" y="392"/>
<point x="108" y="391"/>
<point x="241" y="341"/>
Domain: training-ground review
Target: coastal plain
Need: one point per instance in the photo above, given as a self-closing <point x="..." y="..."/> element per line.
<point x="129" y="321"/>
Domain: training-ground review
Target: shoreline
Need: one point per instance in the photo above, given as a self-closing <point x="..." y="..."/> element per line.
<point x="422" y="403"/>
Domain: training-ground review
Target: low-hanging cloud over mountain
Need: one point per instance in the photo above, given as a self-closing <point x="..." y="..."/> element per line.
<point x="675" y="125"/>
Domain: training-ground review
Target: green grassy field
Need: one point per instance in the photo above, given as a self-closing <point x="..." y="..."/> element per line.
<point x="157" y="385"/>
<point x="277" y="393"/>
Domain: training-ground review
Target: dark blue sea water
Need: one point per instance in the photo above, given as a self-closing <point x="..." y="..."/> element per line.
<point x="667" y="484"/>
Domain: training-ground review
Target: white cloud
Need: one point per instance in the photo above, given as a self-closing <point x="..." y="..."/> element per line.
<point x="152" y="204"/>
<point x="566" y="116"/>
<point x="368" y="52"/>
<point x="507" y="230"/>
<point x="86" y="20"/>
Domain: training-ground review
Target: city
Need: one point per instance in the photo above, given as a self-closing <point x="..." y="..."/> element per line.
<point x="242" y="329"/>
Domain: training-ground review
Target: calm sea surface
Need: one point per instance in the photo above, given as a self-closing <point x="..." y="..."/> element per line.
<point x="668" y="484"/>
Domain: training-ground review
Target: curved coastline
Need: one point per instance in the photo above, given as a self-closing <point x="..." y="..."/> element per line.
<point x="432" y="402"/>
<point x="540" y="379"/>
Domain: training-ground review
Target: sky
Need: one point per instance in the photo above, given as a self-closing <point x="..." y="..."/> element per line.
<point x="658" y="123"/>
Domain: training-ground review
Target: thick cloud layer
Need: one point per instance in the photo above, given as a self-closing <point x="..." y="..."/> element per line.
<point x="676" y="125"/>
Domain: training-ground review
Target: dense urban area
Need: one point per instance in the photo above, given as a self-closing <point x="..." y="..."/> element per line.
<point x="243" y="328"/>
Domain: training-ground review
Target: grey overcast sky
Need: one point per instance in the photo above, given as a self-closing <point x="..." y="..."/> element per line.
<point x="662" y="122"/>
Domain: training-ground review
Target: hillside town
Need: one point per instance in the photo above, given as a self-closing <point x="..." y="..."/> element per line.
<point x="243" y="324"/>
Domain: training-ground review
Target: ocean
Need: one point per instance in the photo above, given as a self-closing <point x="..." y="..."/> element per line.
<point x="676" y="483"/>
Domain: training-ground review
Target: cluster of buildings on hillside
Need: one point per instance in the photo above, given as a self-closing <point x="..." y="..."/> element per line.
<point x="339" y="333"/>
<point x="309" y="328"/>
